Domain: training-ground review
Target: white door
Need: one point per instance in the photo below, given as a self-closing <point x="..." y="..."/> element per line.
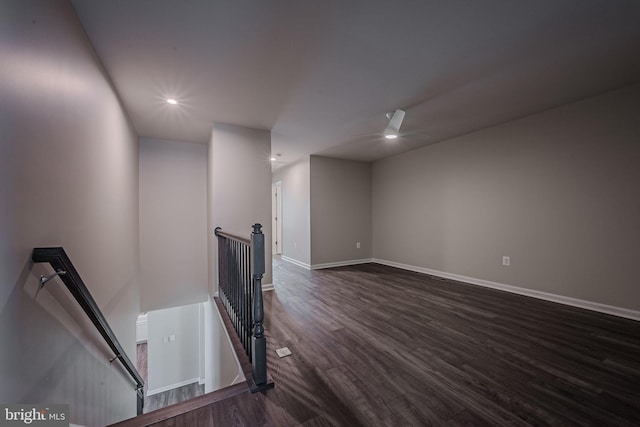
<point x="276" y="217"/>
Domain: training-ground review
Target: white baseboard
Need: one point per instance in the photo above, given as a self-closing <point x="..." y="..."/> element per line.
<point x="589" y="305"/>
<point x="341" y="263"/>
<point x="296" y="262"/>
<point x="267" y="287"/>
<point x="172" y="386"/>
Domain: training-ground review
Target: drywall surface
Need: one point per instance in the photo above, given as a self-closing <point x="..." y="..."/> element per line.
<point x="212" y="243"/>
<point x="239" y="188"/>
<point x="173" y="223"/>
<point x="223" y="368"/>
<point x="173" y="348"/>
<point x="68" y="177"/>
<point x="557" y="192"/>
<point x="340" y="210"/>
<point x="296" y="197"/>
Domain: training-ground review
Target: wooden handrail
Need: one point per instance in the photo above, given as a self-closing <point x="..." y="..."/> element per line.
<point x="61" y="263"/>
<point x="218" y="232"/>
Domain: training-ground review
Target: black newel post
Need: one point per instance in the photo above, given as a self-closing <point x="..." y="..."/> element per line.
<point x="140" y="401"/>
<point x="258" y="342"/>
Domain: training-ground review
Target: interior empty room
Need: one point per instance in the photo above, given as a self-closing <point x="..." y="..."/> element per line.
<point x="430" y="209"/>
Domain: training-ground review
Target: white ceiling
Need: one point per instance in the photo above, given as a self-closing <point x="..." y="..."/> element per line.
<point x="322" y="74"/>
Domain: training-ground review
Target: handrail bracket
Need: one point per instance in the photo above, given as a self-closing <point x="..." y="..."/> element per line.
<point x="45" y="279"/>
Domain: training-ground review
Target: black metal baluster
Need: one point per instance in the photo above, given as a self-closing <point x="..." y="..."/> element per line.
<point x="240" y="270"/>
<point x="248" y="291"/>
<point x="249" y="284"/>
<point x="246" y="309"/>
<point x="241" y="266"/>
<point x="235" y="284"/>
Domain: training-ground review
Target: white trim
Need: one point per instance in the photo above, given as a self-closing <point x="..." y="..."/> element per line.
<point x="201" y="343"/>
<point x="341" y="263"/>
<point x="172" y="386"/>
<point x="238" y="379"/>
<point x="267" y="287"/>
<point x="208" y="344"/>
<point x="296" y="262"/>
<point x="589" y="305"/>
<point x="142" y="328"/>
<point x="276" y="212"/>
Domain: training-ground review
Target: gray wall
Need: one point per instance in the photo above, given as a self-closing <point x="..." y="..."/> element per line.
<point x="239" y="188"/>
<point x="173" y="223"/>
<point x="68" y="177"/>
<point x="296" y="232"/>
<point x="558" y="192"/>
<point x="340" y="210"/>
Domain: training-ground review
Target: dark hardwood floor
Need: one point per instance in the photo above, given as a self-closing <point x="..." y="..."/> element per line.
<point x="378" y="346"/>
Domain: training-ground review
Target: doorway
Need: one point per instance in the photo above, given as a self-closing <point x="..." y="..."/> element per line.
<point x="276" y="217"/>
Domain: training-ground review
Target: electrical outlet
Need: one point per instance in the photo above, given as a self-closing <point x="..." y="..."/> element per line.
<point x="506" y="261"/>
<point x="172" y="337"/>
<point x="358" y="245"/>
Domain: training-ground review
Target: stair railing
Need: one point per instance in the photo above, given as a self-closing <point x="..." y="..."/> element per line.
<point x="64" y="269"/>
<point x="241" y="265"/>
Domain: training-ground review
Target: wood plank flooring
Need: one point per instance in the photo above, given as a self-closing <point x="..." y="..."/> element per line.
<point x="378" y="346"/>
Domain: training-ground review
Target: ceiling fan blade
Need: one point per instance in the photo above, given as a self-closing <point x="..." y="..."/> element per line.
<point x="396" y="121"/>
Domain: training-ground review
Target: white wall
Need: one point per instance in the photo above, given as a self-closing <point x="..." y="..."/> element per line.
<point x="557" y="192"/>
<point x="340" y="211"/>
<point x="222" y="366"/>
<point x="68" y="177"/>
<point x="239" y="188"/>
<point x="296" y="231"/>
<point x="173" y="348"/>
<point x="173" y="223"/>
<point x="200" y="351"/>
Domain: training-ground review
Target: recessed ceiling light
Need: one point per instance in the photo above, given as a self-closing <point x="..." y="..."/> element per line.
<point x="273" y="159"/>
<point x="172" y="101"/>
<point x="391" y="136"/>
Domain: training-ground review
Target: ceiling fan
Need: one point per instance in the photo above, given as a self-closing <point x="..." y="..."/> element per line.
<point x="382" y="135"/>
<point x="395" y="121"/>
